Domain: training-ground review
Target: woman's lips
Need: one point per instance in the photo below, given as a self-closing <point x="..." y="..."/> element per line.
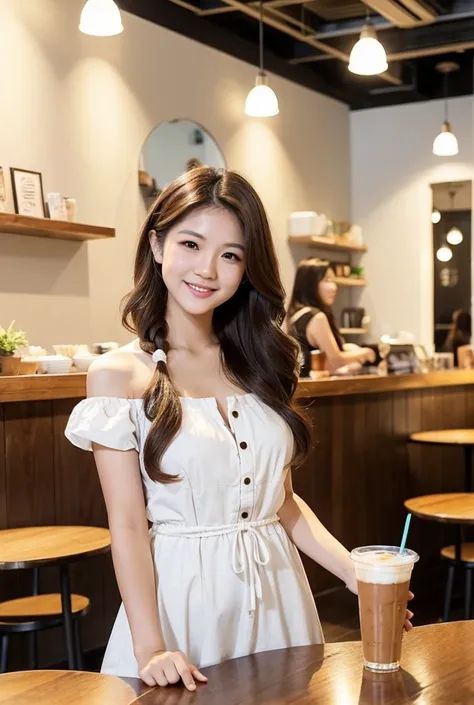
<point x="202" y="292"/>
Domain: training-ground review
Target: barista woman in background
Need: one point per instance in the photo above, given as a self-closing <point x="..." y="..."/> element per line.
<point x="311" y="320"/>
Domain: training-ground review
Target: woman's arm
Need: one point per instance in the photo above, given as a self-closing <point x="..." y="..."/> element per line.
<point x="120" y="479"/>
<point x="121" y="483"/>
<point x="313" y="539"/>
<point x="320" y="335"/>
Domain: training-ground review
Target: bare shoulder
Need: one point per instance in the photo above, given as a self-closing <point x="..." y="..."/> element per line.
<point x="319" y="319"/>
<point x="115" y="373"/>
<point x="318" y="329"/>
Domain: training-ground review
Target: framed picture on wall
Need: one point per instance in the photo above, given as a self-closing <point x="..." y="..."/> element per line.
<point x="3" y="193"/>
<point x="27" y="189"/>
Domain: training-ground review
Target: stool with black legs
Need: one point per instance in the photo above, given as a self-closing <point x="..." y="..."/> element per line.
<point x="31" y="548"/>
<point x="457" y="509"/>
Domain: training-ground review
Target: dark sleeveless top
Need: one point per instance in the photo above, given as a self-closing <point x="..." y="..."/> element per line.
<point x="297" y="327"/>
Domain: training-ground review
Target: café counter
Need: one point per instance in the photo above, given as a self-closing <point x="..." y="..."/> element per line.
<point x="358" y="473"/>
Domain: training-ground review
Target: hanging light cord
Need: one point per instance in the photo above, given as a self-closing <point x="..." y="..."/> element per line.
<point x="261" y="36"/>
<point x="445" y="84"/>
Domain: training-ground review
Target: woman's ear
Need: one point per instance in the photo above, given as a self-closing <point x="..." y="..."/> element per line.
<point x="155" y="246"/>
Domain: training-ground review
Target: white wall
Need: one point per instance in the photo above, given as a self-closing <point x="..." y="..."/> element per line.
<point x="392" y="167"/>
<point x="79" y="109"/>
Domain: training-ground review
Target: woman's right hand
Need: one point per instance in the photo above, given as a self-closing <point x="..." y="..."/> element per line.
<point x="169" y="667"/>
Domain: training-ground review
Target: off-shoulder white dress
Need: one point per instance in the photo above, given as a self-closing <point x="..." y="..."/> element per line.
<point x="229" y="580"/>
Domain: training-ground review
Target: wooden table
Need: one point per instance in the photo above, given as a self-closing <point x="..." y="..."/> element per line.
<point x="42" y="545"/>
<point x="63" y="688"/>
<point x="449" y="508"/>
<point x="35" y="546"/>
<point x="462" y="437"/>
<point x="437" y="662"/>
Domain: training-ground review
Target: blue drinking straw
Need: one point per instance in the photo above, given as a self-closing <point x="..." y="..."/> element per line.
<point x="405" y="533"/>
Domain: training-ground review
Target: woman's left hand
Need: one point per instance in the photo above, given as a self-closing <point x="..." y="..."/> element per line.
<point x="409" y="615"/>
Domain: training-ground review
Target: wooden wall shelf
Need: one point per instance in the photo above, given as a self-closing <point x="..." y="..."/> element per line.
<point x="325" y="243"/>
<point x="53" y="229"/>
<point x="349" y="281"/>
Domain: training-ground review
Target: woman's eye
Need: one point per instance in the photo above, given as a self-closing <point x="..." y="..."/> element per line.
<point x="190" y="244"/>
<point x="232" y="256"/>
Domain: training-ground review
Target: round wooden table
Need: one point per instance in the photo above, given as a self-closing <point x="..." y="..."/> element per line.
<point x="36" y="546"/>
<point x="462" y="437"/>
<point x="42" y="545"/>
<point x="450" y="508"/>
<point x="437" y="668"/>
<point x="63" y="688"/>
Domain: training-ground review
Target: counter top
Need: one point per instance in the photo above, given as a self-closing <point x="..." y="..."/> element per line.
<point x="43" y="387"/>
<point x="371" y="384"/>
<point x="72" y="386"/>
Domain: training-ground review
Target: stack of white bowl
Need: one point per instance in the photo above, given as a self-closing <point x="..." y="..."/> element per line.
<point x="54" y="364"/>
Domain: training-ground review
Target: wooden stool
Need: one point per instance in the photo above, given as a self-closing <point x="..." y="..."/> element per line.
<point x="37" y="546"/>
<point x="455" y="509"/>
<point x="464" y="438"/>
<point x="37" y="613"/>
<point x="64" y="688"/>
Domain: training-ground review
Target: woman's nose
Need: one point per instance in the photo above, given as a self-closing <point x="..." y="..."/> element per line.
<point x="206" y="268"/>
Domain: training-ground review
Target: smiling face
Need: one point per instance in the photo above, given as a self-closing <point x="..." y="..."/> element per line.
<point x="203" y="259"/>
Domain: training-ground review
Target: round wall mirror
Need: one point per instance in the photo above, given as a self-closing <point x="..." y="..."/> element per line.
<point x="171" y="149"/>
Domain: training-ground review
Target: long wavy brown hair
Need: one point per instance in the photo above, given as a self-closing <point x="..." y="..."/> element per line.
<point x="256" y="355"/>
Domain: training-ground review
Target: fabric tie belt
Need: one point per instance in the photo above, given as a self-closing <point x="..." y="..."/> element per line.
<point x="249" y="548"/>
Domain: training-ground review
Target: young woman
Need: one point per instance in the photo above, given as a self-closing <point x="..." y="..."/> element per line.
<point x="460" y="333"/>
<point x="193" y="429"/>
<point x="311" y="320"/>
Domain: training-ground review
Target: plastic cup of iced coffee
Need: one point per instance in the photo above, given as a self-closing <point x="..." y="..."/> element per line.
<point x="383" y="579"/>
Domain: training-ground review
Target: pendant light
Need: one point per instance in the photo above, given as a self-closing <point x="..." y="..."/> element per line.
<point x="368" y="56"/>
<point x="101" y="18"/>
<point x="454" y="236"/>
<point x="261" y="101"/>
<point x="444" y="254"/>
<point x="446" y="144"/>
<point x="435" y="216"/>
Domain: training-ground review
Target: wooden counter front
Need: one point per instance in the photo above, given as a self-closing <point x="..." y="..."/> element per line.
<point x="73" y="386"/>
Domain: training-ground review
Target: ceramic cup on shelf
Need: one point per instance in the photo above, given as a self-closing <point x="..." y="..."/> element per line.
<point x="71" y="209"/>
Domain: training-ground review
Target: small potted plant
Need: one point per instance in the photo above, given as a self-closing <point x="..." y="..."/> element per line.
<point x="10" y="341"/>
